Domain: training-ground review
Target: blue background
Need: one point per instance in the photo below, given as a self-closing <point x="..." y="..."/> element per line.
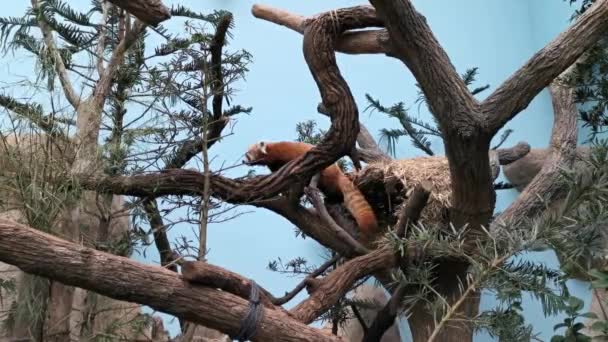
<point x="496" y="36"/>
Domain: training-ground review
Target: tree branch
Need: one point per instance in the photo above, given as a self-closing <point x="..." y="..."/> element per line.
<point x="291" y="294"/>
<point x="101" y="43"/>
<point x="369" y="150"/>
<point x="516" y="93"/>
<point x="315" y="197"/>
<point x="546" y="183"/>
<point x="124" y="279"/>
<point x="359" y="42"/>
<point x="418" y="48"/>
<point x="151" y="12"/>
<point x="309" y="222"/>
<point x="62" y="72"/>
<point x="104" y="84"/>
<point x="411" y="211"/>
<point x="386" y="317"/>
<point x="191" y="148"/>
<point x="328" y="290"/>
<point x="203" y="273"/>
<point x="167" y="255"/>
<point x="507" y="156"/>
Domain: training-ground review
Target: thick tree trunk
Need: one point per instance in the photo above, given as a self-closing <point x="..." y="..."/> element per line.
<point x="421" y="320"/>
<point x="124" y="279"/>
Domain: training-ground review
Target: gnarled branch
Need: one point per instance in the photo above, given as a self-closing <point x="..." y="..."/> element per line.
<point x="361" y="42"/>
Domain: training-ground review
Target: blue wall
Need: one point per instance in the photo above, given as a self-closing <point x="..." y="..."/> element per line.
<point x="496" y="36"/>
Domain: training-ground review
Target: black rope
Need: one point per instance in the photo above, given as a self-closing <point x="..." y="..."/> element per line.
<point x="249" y="324"/>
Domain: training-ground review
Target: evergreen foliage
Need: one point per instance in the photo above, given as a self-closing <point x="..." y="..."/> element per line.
<point x="159" y="100"/>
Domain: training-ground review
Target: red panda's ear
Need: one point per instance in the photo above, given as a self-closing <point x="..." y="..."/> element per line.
<point x="263" y="147"/>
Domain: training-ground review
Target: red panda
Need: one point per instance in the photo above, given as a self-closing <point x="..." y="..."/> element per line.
<point x="333" y="182"/>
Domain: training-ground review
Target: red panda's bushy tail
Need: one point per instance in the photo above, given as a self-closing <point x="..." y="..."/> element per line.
<point x="362" y="212"/>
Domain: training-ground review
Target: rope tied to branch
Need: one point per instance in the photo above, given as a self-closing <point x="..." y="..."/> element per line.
<point x="250" y="322"/>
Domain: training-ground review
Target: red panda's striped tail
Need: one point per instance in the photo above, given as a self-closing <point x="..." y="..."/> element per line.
<point x="362" y="212"/>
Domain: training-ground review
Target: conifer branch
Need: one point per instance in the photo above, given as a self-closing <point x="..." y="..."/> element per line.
<point x="101" y="42"/>
<point x="104" y="84"/>
<point x="62" y="72"/>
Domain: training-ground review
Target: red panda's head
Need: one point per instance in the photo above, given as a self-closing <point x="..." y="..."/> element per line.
<point x="256" y="154"/>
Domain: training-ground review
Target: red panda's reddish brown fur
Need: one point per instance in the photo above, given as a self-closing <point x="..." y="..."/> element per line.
<point x="333" y="182"/>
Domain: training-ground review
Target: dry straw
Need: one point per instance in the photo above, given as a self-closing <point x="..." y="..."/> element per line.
<point x="411" y="172"/>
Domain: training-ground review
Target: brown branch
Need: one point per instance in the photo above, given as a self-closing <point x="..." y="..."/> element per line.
<point x="314" y="195"/>
<point x="386" y="317"/>
<point x="216" y="126"/>
<point x="309" y="222"/>
<point x="167" y="255"/>
<point x="516" y="93"/>
<point x="217" y="79"/>
<point x="101" y="42"/>
<point x="151" y="12"/>
<point x="546" y="184"/>
<point x="320" y="270"/>
<point x="418" y="48"/>
<point x="369" y="150"/>
<point x="124" y="279"/>
<point x="361" y="42"/>
<point x="202" y="273"/>
<point x="507" y="156"/>
<point x="327" y="291"/>
<point x="410" y="213"/>
<point x="103" y="86"/>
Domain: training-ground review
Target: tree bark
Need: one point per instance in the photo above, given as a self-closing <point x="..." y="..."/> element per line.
<point x="124" y="279"/>
<point x="151" y="12"/>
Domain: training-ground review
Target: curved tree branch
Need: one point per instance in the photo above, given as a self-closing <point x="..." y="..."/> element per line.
<point x="369" y="150"/>
<point x="359" y="42"/>
<point x="546" y="183"/>
<point x="516" y="93"/>
<point x="327" y="291"/>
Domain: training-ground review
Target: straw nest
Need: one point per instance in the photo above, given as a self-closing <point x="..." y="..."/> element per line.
<point x="389" y="184"/>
